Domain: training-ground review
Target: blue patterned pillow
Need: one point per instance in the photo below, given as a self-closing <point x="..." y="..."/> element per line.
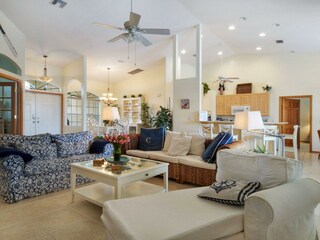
<point x="38" y="151"/>
<point x="210" y="153"/>
<point x="73" y="137"/>
<point x="98" y="146"/>
<point x="151" y="139"/>
<point x="66" y="149"/>
<point x="229" y="191"/>
<point x="8" y="140"/>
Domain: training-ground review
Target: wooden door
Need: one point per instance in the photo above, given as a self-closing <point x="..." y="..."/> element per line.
<point x="264" y="104"/>
<point x="235" y="100"/>
<point x="291" y="114"/>
<point x="227" y="105"/>
<point x="245" y="99"/>
<point x="8" y="114"/>
<point x="255" y="102"/>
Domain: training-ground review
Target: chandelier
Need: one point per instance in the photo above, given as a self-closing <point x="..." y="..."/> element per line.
<point x="45" y="78"/>
<point x="107" y="97"/>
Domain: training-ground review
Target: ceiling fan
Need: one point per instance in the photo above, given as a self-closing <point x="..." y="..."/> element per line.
<point x="133" y="31"/>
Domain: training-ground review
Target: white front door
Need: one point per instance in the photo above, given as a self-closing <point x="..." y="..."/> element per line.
<point x="42" y="113"/>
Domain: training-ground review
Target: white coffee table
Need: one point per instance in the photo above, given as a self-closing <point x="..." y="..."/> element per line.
<point x="110" y="185"/>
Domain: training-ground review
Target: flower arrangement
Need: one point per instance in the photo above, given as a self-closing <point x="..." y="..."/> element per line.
<point x="117" y="140"/>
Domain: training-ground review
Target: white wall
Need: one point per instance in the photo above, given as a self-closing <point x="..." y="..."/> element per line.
<point x="186" y="120"/>
<point x="18" y="40"/>
<point x="149" y="83"/>
<point x="288" y="74"/>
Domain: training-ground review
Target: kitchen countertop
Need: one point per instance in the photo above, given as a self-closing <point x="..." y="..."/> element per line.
<point x="231" y="122"/>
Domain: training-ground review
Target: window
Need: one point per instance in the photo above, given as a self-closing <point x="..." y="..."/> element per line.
<point x="74" y="106"/>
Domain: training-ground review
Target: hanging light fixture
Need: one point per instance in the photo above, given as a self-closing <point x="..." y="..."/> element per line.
<point x="45" y="78"/>
<point x="107" y="97"/>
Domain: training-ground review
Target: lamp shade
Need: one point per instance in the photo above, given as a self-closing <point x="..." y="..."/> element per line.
<point x="248" y="120"/>
<point x="110" y="113"/>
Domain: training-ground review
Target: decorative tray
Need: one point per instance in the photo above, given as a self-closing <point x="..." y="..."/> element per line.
<point x="123" y="160"/>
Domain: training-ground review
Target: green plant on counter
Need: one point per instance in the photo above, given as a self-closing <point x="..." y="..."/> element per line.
<point x="163" y="118"/>
<point x="259" y="149"/>
<point x="146" y="118"/>
<point x="206" y="88"/>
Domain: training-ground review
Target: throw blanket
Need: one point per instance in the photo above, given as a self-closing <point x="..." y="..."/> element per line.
<point x="11" y="151"/>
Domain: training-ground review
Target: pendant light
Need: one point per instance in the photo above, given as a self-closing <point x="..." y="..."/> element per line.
<point x="45" y="78"/>
<point x="107" y="97"/>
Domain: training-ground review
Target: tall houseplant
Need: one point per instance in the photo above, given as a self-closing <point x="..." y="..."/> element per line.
<point x="146" y="118"/>
<point x="163" y="118"/>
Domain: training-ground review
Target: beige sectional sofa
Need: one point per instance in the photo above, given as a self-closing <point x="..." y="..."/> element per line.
<point x="282" y="209"/>
<point x="189" y="168"/>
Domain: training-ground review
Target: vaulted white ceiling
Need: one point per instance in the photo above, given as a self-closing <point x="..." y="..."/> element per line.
<point x="65" y="34"/>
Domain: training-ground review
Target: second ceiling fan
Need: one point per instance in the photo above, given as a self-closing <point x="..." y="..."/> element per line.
<point x="133" y="31"/>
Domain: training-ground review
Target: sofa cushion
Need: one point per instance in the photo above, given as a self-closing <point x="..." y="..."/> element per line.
<point x="56" y="165"/>
<point x="73" y="137"/>
<point x="151" y="139"/>
<point x="138" y="153"/>
<point x="38" y="151"/>
<point x="229" y="191"/>
<point x="169" y="135"/>
<point x="196" y="161"/>
<point x="98" y="146"/>
<point x="163" y="156"/>
<point x="8" y="140"/>
<point x="197" y="146"/>
<point x="175" y="217"/>
<point x="209" y="155"/>
<point x="269" y="170"/>
<point x="179" y="146"/>
<point x="66" y="149"/>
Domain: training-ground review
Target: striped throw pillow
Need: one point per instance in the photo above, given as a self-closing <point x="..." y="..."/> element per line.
<point x="229" y="191"/>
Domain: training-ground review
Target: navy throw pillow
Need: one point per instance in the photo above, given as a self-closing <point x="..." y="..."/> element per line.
<point x="97" y="146"/>
<point x="151" y="139"/>
<point x="210" y="153"/>
<point x="11" y="151"/>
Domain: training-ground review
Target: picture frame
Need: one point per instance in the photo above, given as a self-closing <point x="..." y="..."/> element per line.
<point x="185" y="104"/>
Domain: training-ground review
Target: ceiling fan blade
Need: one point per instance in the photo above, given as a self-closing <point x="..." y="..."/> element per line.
<point x="142" y="39"/>
<point x="134" y="19"/>
<point x="108" y="26"/>
<point x="160" y="31"/>
<point x="123" y="36"/>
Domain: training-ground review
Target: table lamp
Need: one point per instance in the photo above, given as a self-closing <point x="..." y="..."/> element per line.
<point x="251" y="121"/>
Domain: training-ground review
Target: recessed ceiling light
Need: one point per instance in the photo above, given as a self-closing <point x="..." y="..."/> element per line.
<point x="220" y="53"/>
<point x="243" y="18"/>
<point x="201" y="36"/>
<point x="262" y="34"/>
<point x="276" y="25"/>
<point x="183" y="51"/>
<point x="231" y="27"/>
<point x="258" y="48"/>
<point x="292" y="51"/>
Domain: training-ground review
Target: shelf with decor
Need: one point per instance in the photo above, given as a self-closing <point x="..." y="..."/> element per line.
<point x="131" y="109"/>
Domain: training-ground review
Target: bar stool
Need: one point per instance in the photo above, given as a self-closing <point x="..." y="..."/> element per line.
<point x="228" y="128"/>
<point x="294" y="138"/>
<point x="273" y="130"/>
<point x="207" y="130"/>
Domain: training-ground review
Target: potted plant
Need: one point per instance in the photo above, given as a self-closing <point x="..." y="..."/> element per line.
<point x="206" y="88"/>
<point x="146" y="118"/>
<point x="267" y="88"/>
<point x="163" y="118"/>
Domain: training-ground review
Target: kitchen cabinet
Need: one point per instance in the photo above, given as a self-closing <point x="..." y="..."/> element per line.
<point x="256" y="101"/>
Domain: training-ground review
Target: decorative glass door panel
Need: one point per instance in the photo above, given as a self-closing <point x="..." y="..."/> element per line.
<point x="7" y="108"/>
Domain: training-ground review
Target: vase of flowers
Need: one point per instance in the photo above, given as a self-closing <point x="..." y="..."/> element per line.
<point x="117" y="141"/>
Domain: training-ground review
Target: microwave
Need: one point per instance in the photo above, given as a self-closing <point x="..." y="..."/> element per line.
<point x="235" y="109"/>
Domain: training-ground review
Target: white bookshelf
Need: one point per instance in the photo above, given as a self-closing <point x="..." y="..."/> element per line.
<point x="131" y="110"/>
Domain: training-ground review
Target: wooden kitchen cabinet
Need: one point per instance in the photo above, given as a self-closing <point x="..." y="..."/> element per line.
<point x="256" y="101"/>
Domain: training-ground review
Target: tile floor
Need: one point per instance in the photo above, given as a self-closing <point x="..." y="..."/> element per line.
<point x="54" y="217"/>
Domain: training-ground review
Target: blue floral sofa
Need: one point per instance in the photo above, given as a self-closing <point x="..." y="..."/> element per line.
<point x="49" y="169"/>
